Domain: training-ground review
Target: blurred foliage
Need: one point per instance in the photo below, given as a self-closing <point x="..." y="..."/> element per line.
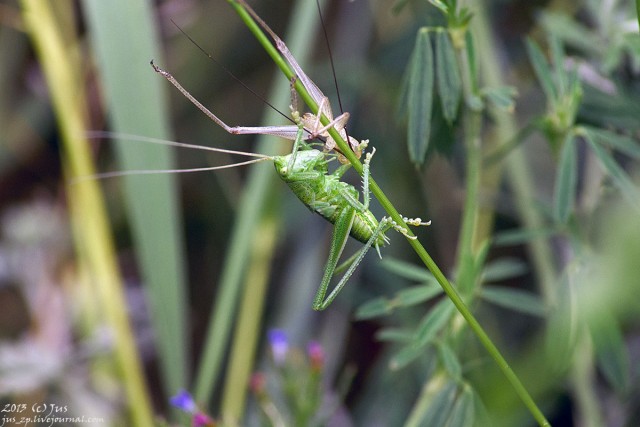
<point x="546" y="94"/>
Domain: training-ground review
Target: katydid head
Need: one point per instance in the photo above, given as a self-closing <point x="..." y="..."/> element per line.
<point x="293" y="164"/>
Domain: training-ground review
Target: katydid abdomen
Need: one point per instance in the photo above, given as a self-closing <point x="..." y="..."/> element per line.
<point x="307" y="176"/>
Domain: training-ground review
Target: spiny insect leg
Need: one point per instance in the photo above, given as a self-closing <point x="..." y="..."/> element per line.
<point x="366" y="172"/>
<point x="342" y="228"/>
<point x="338" y="241"/>
<point x="287" y="132"/>
<point x="355" y="203"/>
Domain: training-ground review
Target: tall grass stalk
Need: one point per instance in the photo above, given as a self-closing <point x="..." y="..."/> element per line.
<point x="248" y="332"/>
<point x="58" y="51"/>
<point x="136" y="101"/>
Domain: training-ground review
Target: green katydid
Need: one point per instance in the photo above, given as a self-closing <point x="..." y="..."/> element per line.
<point x="306" y="172"/>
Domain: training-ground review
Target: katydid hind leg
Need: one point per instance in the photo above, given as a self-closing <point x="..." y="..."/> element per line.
<point x="342" y="228"/>
<point x="288" y="131"/>
<point x="320" y="302"/>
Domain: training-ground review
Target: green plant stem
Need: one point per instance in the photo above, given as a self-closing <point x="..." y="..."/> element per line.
<point x="583" y="382"/>
<point x="481" y="178"/>
<point x="122" y="54"/>
<point x="247" y="333"/>
<point x="393" y="213"/>
<point x="517" y="166"/>
<point x="94" y="247"/>
<point x="468" y="243"/>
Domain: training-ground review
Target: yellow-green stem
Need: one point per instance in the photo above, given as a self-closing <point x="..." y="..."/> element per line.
<point x="246" y="335"/>
<point x="91" y="230"/>
<point x="468" y="244"/>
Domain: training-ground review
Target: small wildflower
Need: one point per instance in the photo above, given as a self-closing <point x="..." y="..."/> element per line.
<point x="202" y="420"/>
<point x="184" y="401"/>
<point x="258" y="383"/>
<point x="316" y="354"/>
<point x="279" y="345"/>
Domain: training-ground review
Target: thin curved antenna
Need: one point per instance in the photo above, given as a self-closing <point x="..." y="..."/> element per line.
<point x="115" y="174"/>
<point x="233" y="76"/>
<point x="333" y="68"/>
<point x="146" y="139"/>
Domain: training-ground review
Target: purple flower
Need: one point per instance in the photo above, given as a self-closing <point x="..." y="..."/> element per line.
<point x="184" y="401"/>
<point x="258" y="382"/>
<point x="202" y="420"/>
<point x="279" y="345"/>
<point x="316" y="354"/>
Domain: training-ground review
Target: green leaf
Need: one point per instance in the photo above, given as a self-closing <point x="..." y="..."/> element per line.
<point x="403" y="99"/>
<point x="632" y="46"/>
<point x="520" y="236"/>
<point x="514" y="299"/>
<point x="435" y="320"/>
<point x="566" y="181"/>
<point x="136" y="99"/>
<point x="420" y="97"/>
<point x="611" y="351"/>
<point x="501" y="97"/>
<point x="473" y="62"/>
<point x="619" y="176"/>
<point x="405" y="356"/>
<point x="440" y="409"/>
<point x="638" y="10"/>
<point x="398" y="6"/>
<point x="621" y="143"/>
<point x="562" y="329"/>
<point x="407" y="270"/>
<point x="620" y="111"/>
<point x="404" y="336"/>
<point x="542" y="70"/>
<point x="447" y="76"/>
<point x="463" y="411"/>
<point x="557" y="53"/>
<point x="571" y="32"/>
<point x="440" y="5"/>
<point x="374" y="308"/>
<point x="464" y="16"/>
<point x="417" y="294"/>
<point x="502" y="269"/>
<point x="449" y="361"/>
